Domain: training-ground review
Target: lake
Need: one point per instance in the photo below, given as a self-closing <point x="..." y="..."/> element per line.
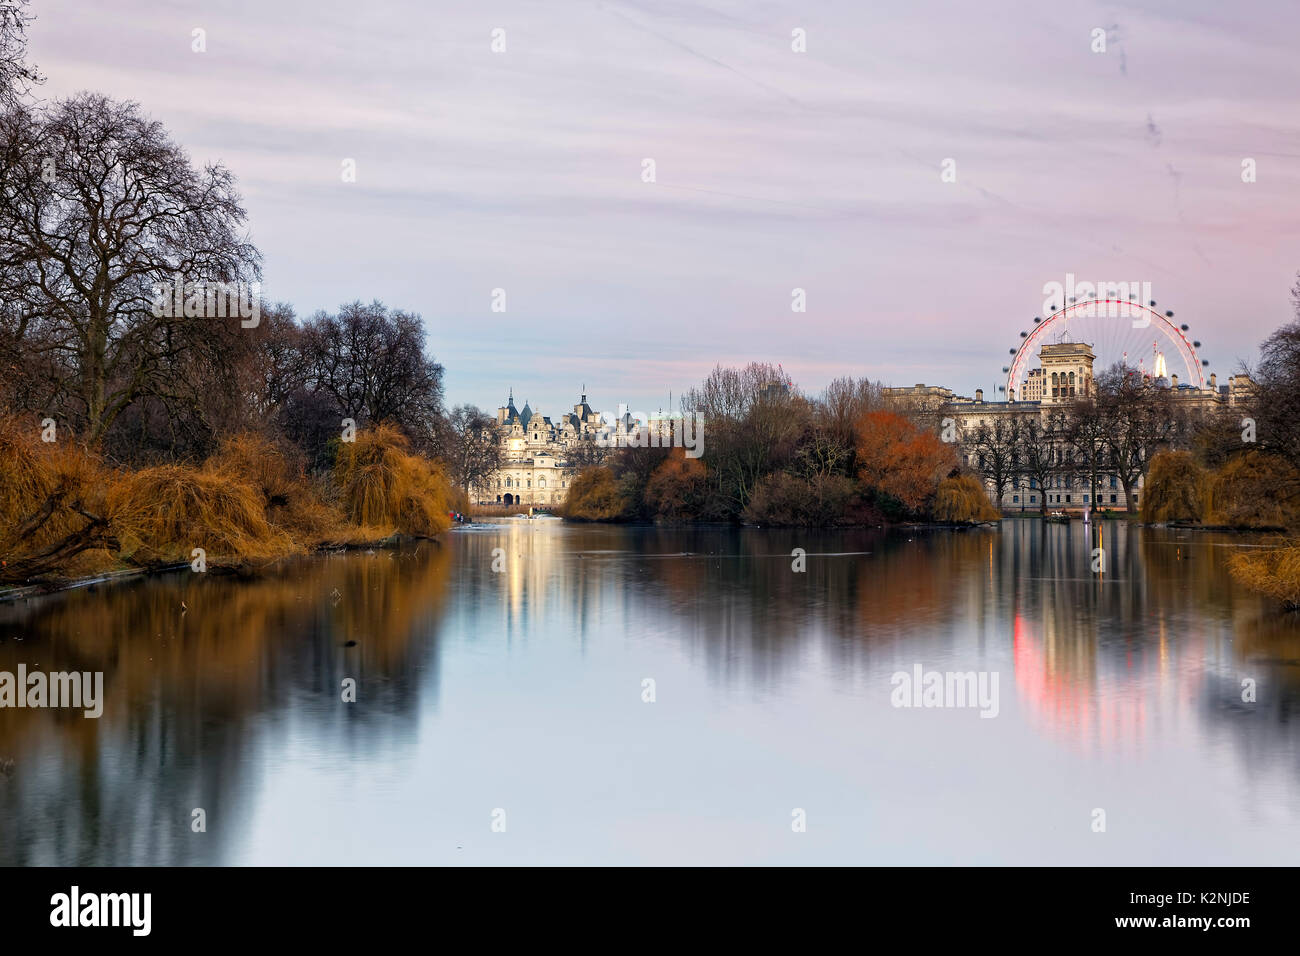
<point x="535" y="692"/>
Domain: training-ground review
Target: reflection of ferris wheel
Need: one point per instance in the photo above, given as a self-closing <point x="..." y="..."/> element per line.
<point x="1119" y="331"/>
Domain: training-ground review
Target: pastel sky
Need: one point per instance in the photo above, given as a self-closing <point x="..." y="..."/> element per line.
<point x="775" y="169"/>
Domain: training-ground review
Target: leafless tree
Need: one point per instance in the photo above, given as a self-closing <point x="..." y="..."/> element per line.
<point x="17" y="76"/>
<point x="844" y="402"/>
<point x="1039" y="451"/>
<point x="98" y="210"/>
<point x="1139" y="418"/>
<point x="371" y="363"/>
<point x="1276" y="400"/>
<point x="468" y="444"/>
<point x="753" y="418"/>
<point x="997" y="447"/>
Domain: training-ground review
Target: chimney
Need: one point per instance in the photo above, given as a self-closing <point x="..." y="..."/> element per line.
<point x="1173" y="381"/>
<point x="1214" y="382"/>
<point x="979" y="394"/>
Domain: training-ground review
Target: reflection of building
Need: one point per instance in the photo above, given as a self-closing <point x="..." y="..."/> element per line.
<point x="1064" y="375"/>
<point x="535" y="454"/>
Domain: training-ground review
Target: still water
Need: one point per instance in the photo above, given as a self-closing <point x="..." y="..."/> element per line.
<point x="518" y="698"/>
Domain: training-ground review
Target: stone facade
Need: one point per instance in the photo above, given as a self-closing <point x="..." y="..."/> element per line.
<point x="535" y="469"/>
<point x="1065" y="374"/>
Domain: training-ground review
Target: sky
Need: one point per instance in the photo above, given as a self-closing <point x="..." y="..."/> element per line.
<point x="523" y="169"/>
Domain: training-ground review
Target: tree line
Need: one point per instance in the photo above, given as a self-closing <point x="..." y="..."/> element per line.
<point x="775" y="456"/>
<point x="145" y="418"/>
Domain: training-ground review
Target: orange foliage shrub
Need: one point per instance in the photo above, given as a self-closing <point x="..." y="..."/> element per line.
<point x="677" y="488"/>
<point x="898" y="459"/>
<point x="595" y="495"/>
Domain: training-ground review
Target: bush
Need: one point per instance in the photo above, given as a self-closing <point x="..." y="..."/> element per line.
<point x="898" y="460"/>
<point x="1255" y="490"/>
<point x="383" y="485"/>
<point x="292" y="501"/>
<point x="961" y="499"/>
<point x="1175" y="489"/>
<point x="596" y="495"/>
<point x="786" y="500"/>
<point x="678" y="488"/>
<point x="161" y="514"/>
<point x="53" y="513"/>
<point x="1273" y="572"/>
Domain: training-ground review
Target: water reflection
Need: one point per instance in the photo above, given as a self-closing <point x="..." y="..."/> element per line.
<point x="475" y="683"/>
<point x="189" y="694"/>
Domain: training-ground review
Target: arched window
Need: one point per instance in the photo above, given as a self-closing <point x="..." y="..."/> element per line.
<point x="541" y="482"/>
<point x="508" y="483"/>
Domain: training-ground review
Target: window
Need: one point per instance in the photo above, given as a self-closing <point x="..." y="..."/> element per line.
<point x="1112" y="499"/>
<point x="508" y="483"/>
<point x="541" y="482"/>
<point x="1015" y="499"/>
<point x="1033" y="499"/>
<point x="1067" y="499"/>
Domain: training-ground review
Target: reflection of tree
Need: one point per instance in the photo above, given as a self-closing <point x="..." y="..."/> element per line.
<point x="185" y="694"/>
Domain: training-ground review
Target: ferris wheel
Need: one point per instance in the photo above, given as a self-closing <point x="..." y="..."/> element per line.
<point x="1119" y="331"/>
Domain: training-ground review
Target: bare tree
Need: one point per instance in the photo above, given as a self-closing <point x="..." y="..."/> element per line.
<point x="99" y="209"/>
<point x="1276" y="400"/>
<point x="844" y="402"/>
<point x="753" y="418"/>
<point x="1086" y="442"/>
<point x="371" y="363"/>
<point x="468" y="444"/>
<point x="997" y="451"/>
<point x="1037" y="457"/>
<point x="16" y="75"/>
<point x="1140" y="418"/>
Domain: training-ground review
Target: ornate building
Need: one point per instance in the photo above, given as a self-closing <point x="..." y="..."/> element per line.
<point x="1064" y="375"/>
<point x="535" y="454"/>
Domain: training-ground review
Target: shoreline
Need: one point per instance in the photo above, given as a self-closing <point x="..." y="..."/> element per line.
<point x="53" y="586"/>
